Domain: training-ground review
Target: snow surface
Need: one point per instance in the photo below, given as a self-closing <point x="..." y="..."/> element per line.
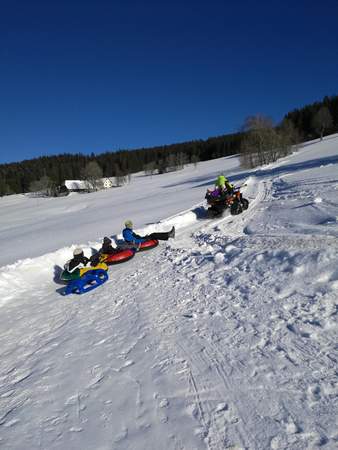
<point x="225" y="337"/>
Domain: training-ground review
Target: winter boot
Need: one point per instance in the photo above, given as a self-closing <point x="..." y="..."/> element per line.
<point x="172" y="233"/>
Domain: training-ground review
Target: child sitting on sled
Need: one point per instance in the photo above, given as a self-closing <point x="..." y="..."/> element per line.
<point x="79" y="261"/>
<point x="108" y="249"/>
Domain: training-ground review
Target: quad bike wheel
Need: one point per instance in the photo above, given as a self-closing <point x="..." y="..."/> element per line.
<point x="212" y="213"/>
<point x="236" y="208"/>
<point x="245" y="203"/>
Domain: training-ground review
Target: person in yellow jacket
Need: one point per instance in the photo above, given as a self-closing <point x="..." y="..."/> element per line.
<point x="223" y="183"/>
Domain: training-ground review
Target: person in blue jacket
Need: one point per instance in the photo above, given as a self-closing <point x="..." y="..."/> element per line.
<point x="133" y="238"/>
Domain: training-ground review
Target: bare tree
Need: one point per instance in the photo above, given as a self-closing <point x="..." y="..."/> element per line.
<point x="260" y="143"/>
<point x="120" y="179"/>
<point x="92" y="174"/>
<point x="42" y="187"/>
<point x="263" y="143"/>
<point x="257" y="122"/>
<point x="181" y="160"/>
<point x="289" y="136"/>
<point x="162" y="165"/>
<point x="150" y="168"/>
<point x="171" y="162"/>
<point x="195" y="160"/>
<point x="322" y="121"/>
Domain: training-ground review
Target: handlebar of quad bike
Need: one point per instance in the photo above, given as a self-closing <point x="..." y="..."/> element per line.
<point x="240" y="187"/>
<point x="237" y="187"/>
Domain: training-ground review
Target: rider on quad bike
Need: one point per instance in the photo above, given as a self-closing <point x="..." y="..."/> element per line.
<point x="225" y="195"/>
<point x="223" y="184"/>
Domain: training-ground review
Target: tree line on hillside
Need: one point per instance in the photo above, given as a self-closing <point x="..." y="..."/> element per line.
<point x="317" y="119"/>
<point x="259" y="142"/>
<point x="21" y="177"/>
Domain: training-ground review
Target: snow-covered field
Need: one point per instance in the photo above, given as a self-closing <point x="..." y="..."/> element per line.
<point x="225" y="337"/>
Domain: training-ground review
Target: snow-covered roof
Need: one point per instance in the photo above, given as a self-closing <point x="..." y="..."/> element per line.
<point x="75" y="185"/>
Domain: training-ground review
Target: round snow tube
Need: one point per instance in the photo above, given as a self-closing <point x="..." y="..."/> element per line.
<point x="118" y="257"/>
<point x="149" y="244"/>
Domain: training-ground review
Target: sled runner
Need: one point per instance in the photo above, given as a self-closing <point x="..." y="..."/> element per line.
<point x="84" y="280"/>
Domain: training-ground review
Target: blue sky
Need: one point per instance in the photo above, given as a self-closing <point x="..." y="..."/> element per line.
<point x="91" y="76"/>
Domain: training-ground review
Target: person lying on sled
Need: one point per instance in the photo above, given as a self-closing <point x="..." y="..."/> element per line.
<point x="132" y="238"/>
<point x="79" y="261"/>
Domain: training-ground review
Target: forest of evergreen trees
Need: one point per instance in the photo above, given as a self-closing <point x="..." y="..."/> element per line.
<point x="311" y="121"/>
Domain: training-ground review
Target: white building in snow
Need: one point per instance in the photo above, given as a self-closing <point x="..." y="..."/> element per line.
<point x="83" y="185"/>
<point x="77" y="185"/>
<point x="107" y="183"/>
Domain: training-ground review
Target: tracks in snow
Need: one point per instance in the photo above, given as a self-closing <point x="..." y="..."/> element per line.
<point x="202" y="343"/>
<point x="251" y="344"/>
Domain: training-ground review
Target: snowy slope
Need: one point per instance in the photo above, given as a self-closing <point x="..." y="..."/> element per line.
<point x="225" y="337"/>
<point x="31" y="227"/>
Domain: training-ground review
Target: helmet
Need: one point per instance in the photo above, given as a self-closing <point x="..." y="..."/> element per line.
<point x="128" y="224"/>
<point x="78" y="251"/>
<point x="106" y="240"/>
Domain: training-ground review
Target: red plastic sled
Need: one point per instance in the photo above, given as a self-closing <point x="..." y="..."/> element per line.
<point x="119" y="257"/>
<point x="147" y="245"/>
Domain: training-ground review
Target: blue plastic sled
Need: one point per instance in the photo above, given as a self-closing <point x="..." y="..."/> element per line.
<point x="89" y="281"/>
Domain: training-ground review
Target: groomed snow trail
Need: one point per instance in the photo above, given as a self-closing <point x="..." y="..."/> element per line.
<point x="223" y="338"/>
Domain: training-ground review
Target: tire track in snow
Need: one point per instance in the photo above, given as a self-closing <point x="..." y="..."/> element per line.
<point x="217" y="440"/>
<point x="300" y="353"/>
<point x="148" y="330"/>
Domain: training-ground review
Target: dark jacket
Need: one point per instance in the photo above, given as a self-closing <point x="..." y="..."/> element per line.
<point x="108" y="249"/>
<point x="78" y="262"/>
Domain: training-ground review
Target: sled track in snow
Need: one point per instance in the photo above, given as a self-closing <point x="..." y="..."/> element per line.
<point x="223" y="344"/>
<point x="222" y="425"/>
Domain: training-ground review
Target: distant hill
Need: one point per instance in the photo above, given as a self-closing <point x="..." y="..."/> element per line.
<point x="17" y="177"/>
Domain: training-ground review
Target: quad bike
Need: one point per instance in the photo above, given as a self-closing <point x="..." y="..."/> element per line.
<point x="235" y="201"/>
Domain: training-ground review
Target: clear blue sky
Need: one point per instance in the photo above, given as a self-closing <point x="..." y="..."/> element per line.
<point x="91" y="76"/>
